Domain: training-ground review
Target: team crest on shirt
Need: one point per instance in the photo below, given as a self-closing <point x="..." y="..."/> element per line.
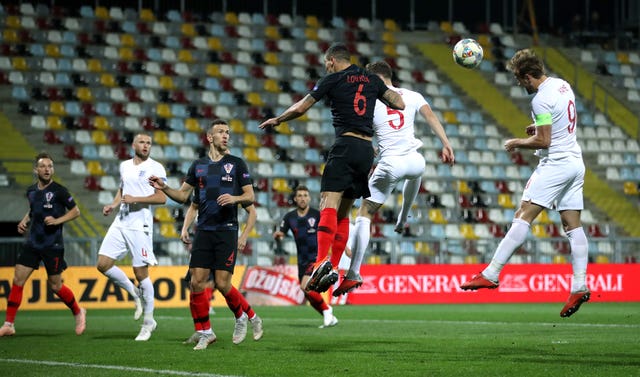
<point x="48" y="196"/>
<point x="228" y="167"/>
<point x="312" y="222"/>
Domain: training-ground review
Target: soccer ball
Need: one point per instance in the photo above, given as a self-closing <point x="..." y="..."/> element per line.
<point x="467" y="53"/>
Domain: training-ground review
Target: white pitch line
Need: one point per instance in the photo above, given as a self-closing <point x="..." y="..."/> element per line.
<point x="114" y="367"/>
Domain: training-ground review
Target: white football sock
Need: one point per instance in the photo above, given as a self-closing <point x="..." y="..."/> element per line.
<point x="146" y="286"/>
<point x="116" y="275"/>
<point x="409" y="193"/>
<point x="579" y="258"/>
<point x="362" y="234"/>
<point x="515" y="237"/>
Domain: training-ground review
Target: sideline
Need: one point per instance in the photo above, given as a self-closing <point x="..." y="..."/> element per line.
<point x="113" y="367"/>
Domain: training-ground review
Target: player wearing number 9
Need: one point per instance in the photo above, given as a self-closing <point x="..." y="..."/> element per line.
<point x="351" y="92"/>
<point x="557" y="181"/>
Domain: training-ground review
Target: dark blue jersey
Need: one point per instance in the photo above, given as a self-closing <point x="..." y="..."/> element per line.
<point x="54" y="200"/>
<point x="352" y="95"/>
<point x="210" y="179"/>
<point x="304" y="229"/>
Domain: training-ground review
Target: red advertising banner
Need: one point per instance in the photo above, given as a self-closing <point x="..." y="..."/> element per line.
<point x="277" y="285"/>
<point x="439" y="284"/>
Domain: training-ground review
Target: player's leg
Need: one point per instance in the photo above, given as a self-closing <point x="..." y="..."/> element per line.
<point x="413" y="173"/>
<point x="315" y="299"/>
<point x="20" y="277"/>
<point x="114" y="248"/>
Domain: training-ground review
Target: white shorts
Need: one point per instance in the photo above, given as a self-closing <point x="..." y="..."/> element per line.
<point x="557" y="184"/>
<point x="119" y="241"/>
<point x="391" y="170"/>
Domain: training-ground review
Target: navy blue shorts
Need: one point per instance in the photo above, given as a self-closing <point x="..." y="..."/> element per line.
<point x="215" y="250"/>
<point x="348" y="167"/>
<point x="53" y="259"/>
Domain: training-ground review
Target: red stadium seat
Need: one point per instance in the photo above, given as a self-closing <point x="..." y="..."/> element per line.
<point x="71" y="153"/>
<point x="122" y="151"/>
<point x="267" y="140"/>
<point x="50" y="137"/>
<point x="91" y="183"/>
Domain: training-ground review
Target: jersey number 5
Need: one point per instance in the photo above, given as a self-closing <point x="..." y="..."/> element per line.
<point x="398" y="126"/>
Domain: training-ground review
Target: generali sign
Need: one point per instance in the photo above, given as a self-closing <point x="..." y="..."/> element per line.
<point x="430" y="283"/>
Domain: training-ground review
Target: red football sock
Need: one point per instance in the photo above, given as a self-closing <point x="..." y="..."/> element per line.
<point x="209" y="292"/>
<point x="316" y="301"/>
<point x="238" y="304"/>
<point x="15" y="299"/>
<point x="68" y="298"/>
<point x="326" y="232"/>
<point x="340" y="241"/>
<point x="199" y="305"/>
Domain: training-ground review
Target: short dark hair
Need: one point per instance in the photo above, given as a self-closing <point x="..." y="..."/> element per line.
<point x="381" y="68"/>
<point x="40" y="156"/>
<point x="526" y="62"/>
<point x="216" y="122"/>
<point x="338" y="51"/>
<point x="300" y="188"/>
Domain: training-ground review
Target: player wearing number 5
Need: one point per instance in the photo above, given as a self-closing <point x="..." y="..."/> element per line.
<point x="399" y="161"/>
<point x="351" y="92"/>
<point x="557" y="181"/>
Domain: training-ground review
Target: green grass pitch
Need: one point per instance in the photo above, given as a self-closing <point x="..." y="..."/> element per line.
<point x="602" y="339"/>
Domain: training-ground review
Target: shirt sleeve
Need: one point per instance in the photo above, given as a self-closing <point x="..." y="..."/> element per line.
<point x="67" y="199"/>
<point x="322" y="87"/>
<point x="541" y="113"/>
<point x="244" y="178"/>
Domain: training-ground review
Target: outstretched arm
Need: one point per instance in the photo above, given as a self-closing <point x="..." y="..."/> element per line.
<point x="180" y="196"/>
<point x="294" y="111"/>
<point x="392" y="99"/>
<point x="436" y="127"/>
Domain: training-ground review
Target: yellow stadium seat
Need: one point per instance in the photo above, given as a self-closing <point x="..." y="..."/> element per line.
<point x="52" y="50"/>
<point x="471" y="259"/>
<point x="388" y="37"/>
<point x="251" y="140"/>
<point x="390" y="25"/>
<point x="630" y="188"/>
<point x="251" y="154"/>
<point x="450" y="117"/>
<point x="467" y="232"/>
<point x="84" y="94"/>
<point x="214" y="44"/>
<point x="236" y="126"/>
<point x="99" y="137"/>
<point x="254" y="99"/>
<point x="192" y="125"/>
<point x="163" y="215"/>
<point x="280" y="185"/>
<point x="354" y="60"/>
<point x="127" y="40"/>
<point x="161" y="138"/>
<point x="272" y="32"/>
<point x="185" y="56"/>
<point x="107" y="79"/>
<point x="231" y="18"/>
<point x="19" y="63"/>
<point x="126" y="53"/>
<point x="188" y="29"/>
<point x="284" y="128"/>
<point x="10" y="35"/>
<point x="423" y="248"/>
<point x="293" y="260"/>
<point x="271" y="86"/>
<point x="163" y="110"/>
<point x="463" y="187"/>
<point x="484" y="40"/>
<point x="101" y="12"/>
<point x="504" y="201"/>
<point x="94" y="65"/>
<point x="374" y="259"/>
<point x="213" y="70"/>
<point x="166" y="82"/>
<point x="538" y="230"/>
<point x="436" y="216"/>
<point x="623" y="57"/>
<point x="54" y="122"/>
<point x="147" y="15"/>
<point x="311" y="34"/>
<point x="446" y="27"/>
<point x="543" y="218"/>
<point x="312" y="21"/>
<point x="101" y="123"/>
<point x="95" y="168"/>
<point x="390" y="50"/>
<point x="57" y="108"/>
<point x="602" y="259"/>
<point x="254" y="233"/>
<point x="13" y="22"/>
<point x="271" y="58"/>
<point x="559" y="259"/>
<point x="168" y="230"/>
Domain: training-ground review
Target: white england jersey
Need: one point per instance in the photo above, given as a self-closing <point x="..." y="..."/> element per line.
<point x="555" y="103"/>
<point x="394" y="129"/>
<point x="135" y="182"/>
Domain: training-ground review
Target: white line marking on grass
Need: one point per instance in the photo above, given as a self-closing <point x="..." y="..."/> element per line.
<point x="114" y="367"/>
